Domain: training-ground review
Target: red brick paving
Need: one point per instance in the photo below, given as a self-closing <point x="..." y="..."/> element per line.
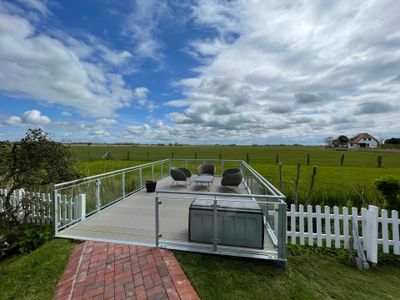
<point x="115" y="271"/>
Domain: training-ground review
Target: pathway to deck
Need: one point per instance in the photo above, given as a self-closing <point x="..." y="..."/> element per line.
<point x="115" y="271"/>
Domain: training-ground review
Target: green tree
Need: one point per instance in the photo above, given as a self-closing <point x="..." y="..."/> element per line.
<point x="33" y="163"/>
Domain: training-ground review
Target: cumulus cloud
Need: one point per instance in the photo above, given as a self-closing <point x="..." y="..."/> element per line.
<point x="272" y="65"/>
<point x="55" y="70"/>
<point x="13" y="120"/>
<point x="35" y="117"/>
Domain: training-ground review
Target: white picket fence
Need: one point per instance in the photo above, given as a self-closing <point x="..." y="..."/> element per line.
<point x="334" y="227"/>
<point x="40" y="207"/>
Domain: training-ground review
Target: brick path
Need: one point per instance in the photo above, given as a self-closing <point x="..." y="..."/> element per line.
<point x="115" y="271"/>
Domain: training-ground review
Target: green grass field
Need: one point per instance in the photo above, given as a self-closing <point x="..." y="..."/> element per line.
<point x="351" y="184"/>
<point x="34" y="275"/>
<point x="312" y="273"/>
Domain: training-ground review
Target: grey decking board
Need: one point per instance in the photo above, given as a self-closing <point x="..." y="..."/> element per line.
<point x="133" y="219"/>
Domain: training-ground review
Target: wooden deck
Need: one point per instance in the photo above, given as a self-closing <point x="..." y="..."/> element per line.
<point x="132" y="220"/>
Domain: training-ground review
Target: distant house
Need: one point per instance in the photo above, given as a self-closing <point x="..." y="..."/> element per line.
<point x="363" y="140"/>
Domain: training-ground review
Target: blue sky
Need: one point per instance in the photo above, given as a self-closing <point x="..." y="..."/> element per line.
<point x="199" y="71"/>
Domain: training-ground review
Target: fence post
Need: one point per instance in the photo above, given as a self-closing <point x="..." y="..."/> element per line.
<point x="157" y="220"/>
<point x="82" y="206"/>
<point x="98" y="200"/>
<point x="314" y="173"/>
<point x="215" y="224"/>
<point x="372" y="234"/>
<point x="379" y="161"/>
<point x="296" y="181"/>
<point x="123" y="185"/>
<point x="342" y="160"/>
<point x="55" y="211"/>
<point x="280" y="177"/>
<point x="282" y="229"/>
<point x="308" y="159"/>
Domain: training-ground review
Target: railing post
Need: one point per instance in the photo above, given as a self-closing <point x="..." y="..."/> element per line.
<point x="55" y="212"/>
<point x="82" y="206"/>
<point x="215" y="224"/>
<point x="162" y="170"/>
<point x="141" y="177"/>
<point x="282" y="230"/>
<point x="123" y="185"/>
<point x="157" y="220"/>
<point x="169" y="165"/>
<point x="152" y="172"/>
<point x="98" y="200"/>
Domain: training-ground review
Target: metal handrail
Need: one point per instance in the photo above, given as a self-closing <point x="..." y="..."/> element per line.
<point x="218" y="194"/>
<point x="94" y="177"/>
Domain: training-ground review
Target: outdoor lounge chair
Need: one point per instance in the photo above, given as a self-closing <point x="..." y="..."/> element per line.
<point x="180" y="175"/>
<point x="206" y="169"/>
<point x="232" y="178"/>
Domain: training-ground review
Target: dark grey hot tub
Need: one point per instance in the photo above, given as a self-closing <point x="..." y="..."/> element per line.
<point x="240" y="223"/>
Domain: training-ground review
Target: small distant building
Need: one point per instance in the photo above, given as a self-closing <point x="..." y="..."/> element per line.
<point x="363" y="141"/>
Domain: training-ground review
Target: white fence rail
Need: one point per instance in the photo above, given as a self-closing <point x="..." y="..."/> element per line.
<point x="40" y="205"/>
<point x="333" y="227"/>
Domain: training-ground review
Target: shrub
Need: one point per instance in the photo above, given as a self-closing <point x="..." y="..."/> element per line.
<point x="390" y="189"/>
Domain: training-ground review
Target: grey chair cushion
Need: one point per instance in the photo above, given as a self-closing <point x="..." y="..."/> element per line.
<point x="234" y="179"/>
<point x="208" y="169"/>
<point x="231" y="171"/>
<point x="180" y="174"/>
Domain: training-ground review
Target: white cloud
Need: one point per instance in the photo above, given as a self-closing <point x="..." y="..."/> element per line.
<point x="66" y="114"/>
<point x="37" y="5"/>
<point x="13" y="120"/>
<point x="106" y="121"/>
<point x="35" y="117"/>
<point x="290" y="68"/>
<point x="141" y="92"/>
<point x="42" y="67"/>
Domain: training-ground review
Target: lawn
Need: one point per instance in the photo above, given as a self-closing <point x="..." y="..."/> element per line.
<point x="312" y="273"/>
<point x="35" y="275"/>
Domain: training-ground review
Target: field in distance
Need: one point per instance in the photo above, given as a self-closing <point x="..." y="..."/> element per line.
<point x="351" y="184"/>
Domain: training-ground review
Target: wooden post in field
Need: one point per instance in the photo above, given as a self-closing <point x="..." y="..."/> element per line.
<point x="247" y="157"/>
<point x="379" y="161"/>
<point x="277" y="158"/>
<point x="172" y="154"/>
<point x="280" y="177"/>
<point x="296" y="182"/>
<point x="342" y="160"/>
<point x="308" y="159"/>
<point x="314" y="173"/>
<point x="195" y="155"/>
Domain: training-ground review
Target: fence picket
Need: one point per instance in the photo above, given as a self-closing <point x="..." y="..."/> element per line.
<point x="336" y="226"/>
<point x="319" y="226"/>
<point x="310" y="225"/>
<point x="395" y="228"/>
<point x="328" y="226"/>
<point x="301" y="221"/>
<point x="346" y="227"/>
<point x="293" y="223"/>
<point x="385" y="236"/>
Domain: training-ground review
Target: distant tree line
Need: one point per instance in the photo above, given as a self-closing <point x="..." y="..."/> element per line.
<point x="340" y="141"/>
<point x="393" y="141"/>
